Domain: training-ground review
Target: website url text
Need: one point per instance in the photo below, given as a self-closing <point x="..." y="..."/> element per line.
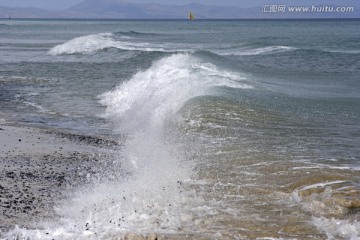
<point x="273" y="8"/>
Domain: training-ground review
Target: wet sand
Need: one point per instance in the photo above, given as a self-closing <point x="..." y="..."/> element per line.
<point x="39" y="166"/>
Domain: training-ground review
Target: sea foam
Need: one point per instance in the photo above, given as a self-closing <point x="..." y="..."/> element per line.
<point x="338" y="229"/>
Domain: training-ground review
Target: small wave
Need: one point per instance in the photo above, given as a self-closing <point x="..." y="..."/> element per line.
<point x="327" y="201"/>
<point x="38" y="108"/>
<point x="330" y="198"/>
<point x="319" y="51"/>
<point x="84" y="44"/>
<point x="353" y="51"/>
<point x="319" y="185"/>
<point x="260" y="51"/>
<point x="136" y="34"/>
<point x="328" y="166"/>
<point x="25" y="80"/>
<point x="97" y="42"/>
<point x="12" y="78"/>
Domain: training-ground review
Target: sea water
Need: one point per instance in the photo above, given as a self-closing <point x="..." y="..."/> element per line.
<point x="234" y="129"/>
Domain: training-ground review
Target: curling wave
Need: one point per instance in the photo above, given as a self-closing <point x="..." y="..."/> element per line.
<point x="165" y="87"/>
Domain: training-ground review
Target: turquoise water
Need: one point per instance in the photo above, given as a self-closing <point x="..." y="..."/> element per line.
<point x="247" y="114"/>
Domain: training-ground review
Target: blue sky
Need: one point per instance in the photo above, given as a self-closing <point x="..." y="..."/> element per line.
<point x="63" y="4"/>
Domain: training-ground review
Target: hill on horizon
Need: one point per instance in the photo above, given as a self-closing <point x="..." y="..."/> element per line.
<point x="115" y="9"/>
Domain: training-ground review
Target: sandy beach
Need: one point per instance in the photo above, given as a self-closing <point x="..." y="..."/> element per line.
<point x="40" y="166"/>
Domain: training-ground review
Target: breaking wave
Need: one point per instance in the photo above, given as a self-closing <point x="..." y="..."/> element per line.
<point x="149" y="193"/>
<point x="97" y="42"/>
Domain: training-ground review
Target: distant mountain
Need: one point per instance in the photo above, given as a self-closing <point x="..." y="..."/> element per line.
<point x="120" y="9"/>
<point x="7" y="12"/>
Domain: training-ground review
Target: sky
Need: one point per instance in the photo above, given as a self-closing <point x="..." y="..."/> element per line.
<point x="63" y="4"/>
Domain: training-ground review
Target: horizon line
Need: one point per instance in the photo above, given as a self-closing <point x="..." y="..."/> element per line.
<point x="179" y="19"/>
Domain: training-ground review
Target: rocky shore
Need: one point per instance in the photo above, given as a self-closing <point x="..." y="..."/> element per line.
<point x="39" y="166"/>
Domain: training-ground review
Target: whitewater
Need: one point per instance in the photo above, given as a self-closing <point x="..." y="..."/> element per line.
<point x="225" y="132"/>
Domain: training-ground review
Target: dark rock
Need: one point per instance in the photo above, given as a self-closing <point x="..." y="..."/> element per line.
<point x="10" y="174"/>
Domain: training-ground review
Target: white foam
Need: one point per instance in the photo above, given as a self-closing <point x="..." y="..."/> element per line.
<point x="161" y="90"/>
<point x="145" y="104"/>
<point x="84" y="44"/>
<point x="320" y="185"/>
<point x="96" y="42"/>
<point x="39" y="108"/>
<point x="319" y="204"/>
<point x="143" y="107"/>
<point x="327" y="166"/>
<point x="336" y="228"/>
<point x="260" y="51"/>
<point x="323" y="208"/>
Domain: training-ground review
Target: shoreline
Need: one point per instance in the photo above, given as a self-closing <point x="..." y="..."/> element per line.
<point x="39" y="166"/>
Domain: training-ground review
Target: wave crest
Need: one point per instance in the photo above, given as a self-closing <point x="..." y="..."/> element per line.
<point x="84" y="44"/>
<point x="97" y="42"/>
<point x="165" y="87"/>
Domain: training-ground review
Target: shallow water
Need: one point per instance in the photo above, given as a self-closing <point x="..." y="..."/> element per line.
<point x="234" y="129"/>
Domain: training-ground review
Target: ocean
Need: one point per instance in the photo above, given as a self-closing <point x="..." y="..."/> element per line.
<point x="232" y="129"/>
